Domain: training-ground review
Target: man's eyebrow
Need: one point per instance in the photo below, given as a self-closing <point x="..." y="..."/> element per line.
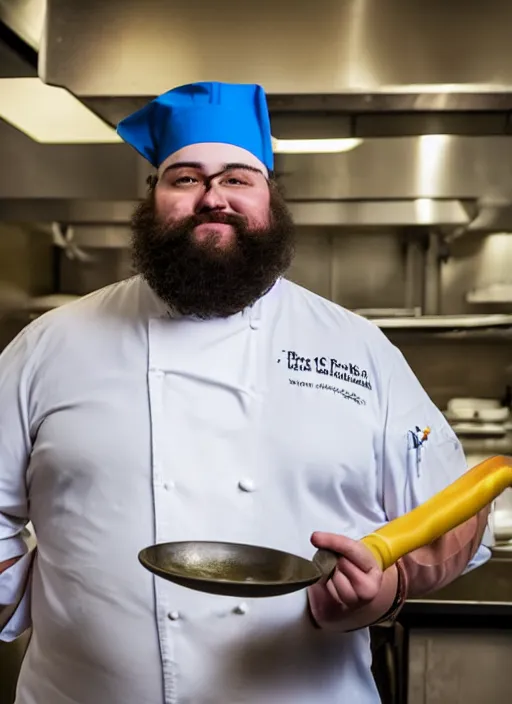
<point x="198" y="165"/>
<point x="182" y="165"/>
<point x="247" y="167"/>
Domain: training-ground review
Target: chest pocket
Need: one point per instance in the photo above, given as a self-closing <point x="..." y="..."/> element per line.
<point x="433" y="462"/>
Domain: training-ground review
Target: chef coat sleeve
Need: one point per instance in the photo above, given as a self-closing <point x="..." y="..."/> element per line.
<point x="413" y="468"/>
<point x="15" y="448"/>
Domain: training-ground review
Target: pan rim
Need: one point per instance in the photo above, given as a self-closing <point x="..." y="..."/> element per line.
<point x="148" y="564"/>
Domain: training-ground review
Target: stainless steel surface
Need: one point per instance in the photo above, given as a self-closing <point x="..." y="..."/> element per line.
<point x="492" y="293"/>
<point x="31" y="170"/>
<point x="464" y="665"/>
<point x="459" y="364"/>
<point x="502" y="518"/>
<point x="383" y="213"/>
<point x="235" y="569"/>
<point x="108" y="236"/>
<point x="376" y="313"/>
<point x="357" y="286"/>
<point x="414" y="275"/>
<point x="310" y="125"/>
<point x="339" y="214"/>
<point x="476" y="262"/>
<point x="432" y="166"/>
<point x="467" y="666"/>
<point x="107" y="265"/>
<point x="432" y="296"/>
<point x="435" y="119"/>
<point x="26" y="270"/>
<point x="400" y="182"/>
<point x="471" y="174"/>
<point x="371" y="114"/>
<point x="446" y="322"/>
<point x="25" y="18"/>
<point x="336" y="214"/>
<point x="25" y="261"/>
<point x="489" y="584"/>
<point x="493" y="217"/>
<point x="66" y="210"/>
<point x="164" y="43"/>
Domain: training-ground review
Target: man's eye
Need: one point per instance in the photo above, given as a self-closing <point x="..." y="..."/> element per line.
<point x="233" y="181"/>
<point x="185" y="181"/>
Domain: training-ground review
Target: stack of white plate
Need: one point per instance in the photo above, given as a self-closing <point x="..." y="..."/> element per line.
<point x="478" y="417"/>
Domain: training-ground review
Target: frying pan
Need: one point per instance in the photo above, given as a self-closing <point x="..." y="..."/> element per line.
<point x="250" y="571"/>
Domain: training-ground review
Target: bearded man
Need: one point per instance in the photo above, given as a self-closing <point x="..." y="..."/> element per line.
<point x="208" y="398"/>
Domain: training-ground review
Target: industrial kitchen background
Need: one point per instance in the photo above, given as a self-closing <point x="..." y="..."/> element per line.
<point x="403" y="206"/>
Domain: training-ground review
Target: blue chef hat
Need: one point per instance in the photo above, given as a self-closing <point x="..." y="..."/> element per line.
<point x="201" y="112"/>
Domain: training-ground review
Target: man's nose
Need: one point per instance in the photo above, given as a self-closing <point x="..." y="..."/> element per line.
<point x="212" y="199"/>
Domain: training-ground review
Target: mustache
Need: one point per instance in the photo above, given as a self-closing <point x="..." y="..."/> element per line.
<point x="191" y="221"/>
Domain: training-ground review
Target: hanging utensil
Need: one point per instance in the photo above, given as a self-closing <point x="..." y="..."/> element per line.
<point x="234" y="569"/>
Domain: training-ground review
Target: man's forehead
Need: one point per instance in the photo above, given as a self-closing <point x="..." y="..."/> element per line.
<point x="213" y="158"/>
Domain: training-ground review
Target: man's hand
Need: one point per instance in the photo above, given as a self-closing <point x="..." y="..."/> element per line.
<point x="358" y="593"/>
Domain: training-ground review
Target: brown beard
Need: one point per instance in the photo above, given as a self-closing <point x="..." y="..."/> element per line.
<point x="203" y="279"/>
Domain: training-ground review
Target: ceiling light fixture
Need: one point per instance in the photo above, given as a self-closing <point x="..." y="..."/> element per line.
<point x="314" y="146"/>
<point x="51" y="115"/>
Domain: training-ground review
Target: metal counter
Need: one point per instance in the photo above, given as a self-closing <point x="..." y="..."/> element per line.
<point x="487" y="590"/>
<point x="459" y="639"/>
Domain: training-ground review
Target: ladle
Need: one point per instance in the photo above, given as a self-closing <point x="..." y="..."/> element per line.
<point x="235" y="569"/>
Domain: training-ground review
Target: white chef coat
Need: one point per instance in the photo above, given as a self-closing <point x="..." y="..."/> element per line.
<point x="121" y="426"/>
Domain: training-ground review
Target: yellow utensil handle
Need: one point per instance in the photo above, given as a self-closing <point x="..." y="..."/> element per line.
<point x="452" y="506"/>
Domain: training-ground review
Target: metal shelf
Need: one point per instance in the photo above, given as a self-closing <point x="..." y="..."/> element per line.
<point x="446" y="323"/>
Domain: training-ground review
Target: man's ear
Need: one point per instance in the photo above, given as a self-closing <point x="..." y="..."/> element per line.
<point x="152" y="181"/>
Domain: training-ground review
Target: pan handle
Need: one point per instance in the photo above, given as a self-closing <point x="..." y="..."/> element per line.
<point x="446" y="510"/>
<point x="326" y="562"/>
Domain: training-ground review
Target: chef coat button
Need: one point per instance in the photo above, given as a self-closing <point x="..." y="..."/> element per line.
<point x="173" y="615"/>
<point x="255" y="324"/>
<point x="246" y="485"/>
<point x="241" y="608"/>
<point x="169" y="485"/>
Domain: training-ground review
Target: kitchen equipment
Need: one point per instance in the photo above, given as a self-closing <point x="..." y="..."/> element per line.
<point x="476" y="409"/>
<point x="239" y="570"/>
<point x="500" y="520"/>
<point x="235" y="569"/>
<point x="473" y="429"/>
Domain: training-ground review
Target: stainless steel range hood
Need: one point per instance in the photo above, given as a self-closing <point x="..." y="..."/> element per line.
<point x="384" y="70"/>
<point x="355" y="56"/>
<point x="128" y="48"/>
<point x="132" y="48"/>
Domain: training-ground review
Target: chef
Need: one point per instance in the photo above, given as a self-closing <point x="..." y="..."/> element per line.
<point x="209" y="398"/>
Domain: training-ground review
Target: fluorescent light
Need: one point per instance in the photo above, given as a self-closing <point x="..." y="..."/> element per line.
<point x="445" y="88"/>
<point x="54" y="116"/>
<point x="51" y="115"/>
<point x="314" y="146"/>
